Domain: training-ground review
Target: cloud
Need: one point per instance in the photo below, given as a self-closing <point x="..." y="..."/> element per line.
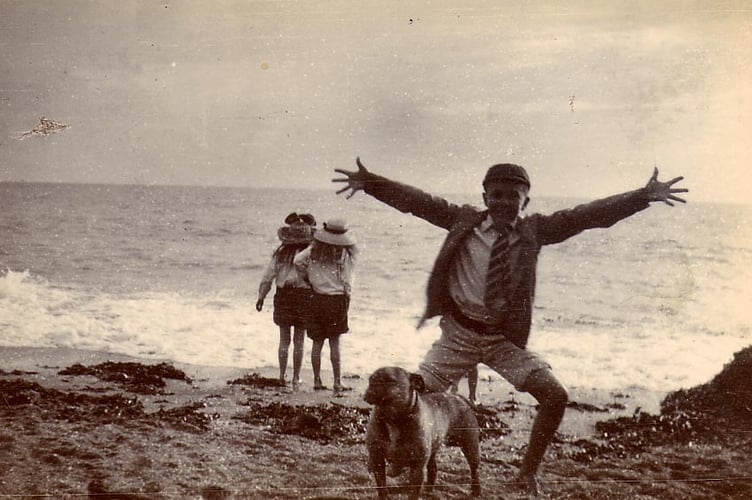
<point x="237" y="93"/>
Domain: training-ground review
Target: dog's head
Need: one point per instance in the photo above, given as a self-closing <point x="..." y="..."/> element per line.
<point x="392" y="386"/>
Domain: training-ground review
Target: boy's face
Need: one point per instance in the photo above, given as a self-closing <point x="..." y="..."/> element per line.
<point x="505" y="201"/>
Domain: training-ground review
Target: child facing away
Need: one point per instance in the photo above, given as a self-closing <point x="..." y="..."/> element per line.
<point x="328" y="266"/>
<point x="293" y="295"/>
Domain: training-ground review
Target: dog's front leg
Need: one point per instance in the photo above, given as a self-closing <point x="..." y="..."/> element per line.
<point x="377" y="466"/>
<point x="379" y="474"/>
<point x="417" y="476"/>
<point x="431" y="477"/>
<point x="377" y="441"/>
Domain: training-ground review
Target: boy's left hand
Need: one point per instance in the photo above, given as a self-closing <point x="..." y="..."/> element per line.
<point x="662" y="191"/>
<point x="355" y="179"/>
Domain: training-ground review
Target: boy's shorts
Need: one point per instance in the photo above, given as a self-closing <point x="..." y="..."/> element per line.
<point x="460" y="349"/>
<point x="328" y="316"/>
<point x="292" y="306"/>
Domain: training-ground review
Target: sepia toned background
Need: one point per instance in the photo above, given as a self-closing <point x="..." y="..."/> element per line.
<point x="150" y="150"/>
<point x="588" y="95"/>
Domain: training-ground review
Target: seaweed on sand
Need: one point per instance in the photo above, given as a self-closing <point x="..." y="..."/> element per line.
<point x="338" y="423"/>
<point x="135" y="377"/>
<point x="491" y="426"/>
<point x="51" y="404"/>
<point x="256" y="380"/>
<point x="712" y="412"/>
<point x="322" y="423"/>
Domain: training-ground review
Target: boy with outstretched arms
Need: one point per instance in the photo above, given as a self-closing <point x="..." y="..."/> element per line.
<point x="483" y="281"/>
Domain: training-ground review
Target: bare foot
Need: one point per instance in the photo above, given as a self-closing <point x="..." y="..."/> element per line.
<point x="318" y="385"/>
<point x="529" y="485"/>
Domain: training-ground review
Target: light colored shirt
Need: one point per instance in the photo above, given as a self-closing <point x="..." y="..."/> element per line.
<point x="283" y="274"/>
<point x="467" y="280"/>
<point x="327" y="279"/>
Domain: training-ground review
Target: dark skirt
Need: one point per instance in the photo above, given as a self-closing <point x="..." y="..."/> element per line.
<point x="292" y="306"/>
<point x="328" y="317"/>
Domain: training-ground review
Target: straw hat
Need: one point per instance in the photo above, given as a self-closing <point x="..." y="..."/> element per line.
<point x="334" y="232"/>
<point x="295" y="234"/>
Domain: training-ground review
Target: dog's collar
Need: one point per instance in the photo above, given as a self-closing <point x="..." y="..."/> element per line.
<point x="406" y="411"/>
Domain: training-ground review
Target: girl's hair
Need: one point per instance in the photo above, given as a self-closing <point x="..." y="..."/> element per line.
<point x="285" y="253"/>
<point x="327" y="254"/>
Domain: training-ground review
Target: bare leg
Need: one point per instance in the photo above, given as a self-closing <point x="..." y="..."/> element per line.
<point x="472" y="384"/>
<point x="284" y="346"/>
<point x="316" y="362"/>
<point x="455" y="387"/>
<point x="335" y="358"/>
<point x="552" y="398"/>
<point x="297" y="354"/>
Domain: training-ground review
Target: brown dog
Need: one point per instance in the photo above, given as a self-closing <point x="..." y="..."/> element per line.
<point x="407" y="428"/>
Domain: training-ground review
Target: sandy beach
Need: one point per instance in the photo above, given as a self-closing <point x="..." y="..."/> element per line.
<point x="82" y="423"/>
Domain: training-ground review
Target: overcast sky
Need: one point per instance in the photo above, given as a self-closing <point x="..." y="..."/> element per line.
<point x="278" y="93"/>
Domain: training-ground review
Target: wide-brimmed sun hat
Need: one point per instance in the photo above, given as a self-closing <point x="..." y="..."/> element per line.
<point x="334" y="232"/>
<point x="295" y="234"/>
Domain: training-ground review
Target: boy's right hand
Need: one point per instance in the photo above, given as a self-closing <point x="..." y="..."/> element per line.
<point x="355" y="179"/>
<point x="259" y="304"/>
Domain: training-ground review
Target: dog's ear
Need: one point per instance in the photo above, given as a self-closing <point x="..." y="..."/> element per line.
<point x="417" y="382"/>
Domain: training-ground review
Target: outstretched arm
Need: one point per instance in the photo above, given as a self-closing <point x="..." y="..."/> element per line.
<point x="608" y="211"/>
<point x="403" y="197"/>
<point x="656" y="190"/>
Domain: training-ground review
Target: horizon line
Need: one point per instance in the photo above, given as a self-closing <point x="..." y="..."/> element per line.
<point x="295" y="188"/>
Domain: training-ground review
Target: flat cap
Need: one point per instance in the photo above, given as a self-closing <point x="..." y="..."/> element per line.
<point x="507" y="172"/>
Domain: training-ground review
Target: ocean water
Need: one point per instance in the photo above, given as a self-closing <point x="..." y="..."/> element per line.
<point x="661" y="300"/>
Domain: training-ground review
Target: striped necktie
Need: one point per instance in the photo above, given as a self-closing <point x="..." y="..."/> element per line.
<point x="499" y="271"/>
